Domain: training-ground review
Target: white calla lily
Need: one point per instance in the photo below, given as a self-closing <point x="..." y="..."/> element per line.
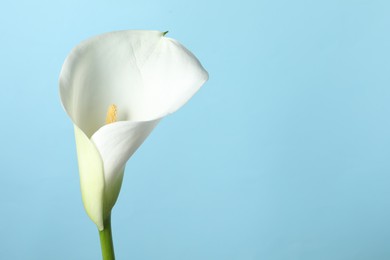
<point x="147" y="76"/>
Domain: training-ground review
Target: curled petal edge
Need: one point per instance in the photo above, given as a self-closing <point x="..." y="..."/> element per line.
<point x="91" y="177"/>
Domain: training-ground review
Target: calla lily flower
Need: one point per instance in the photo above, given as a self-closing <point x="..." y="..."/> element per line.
<point x="115" y="88"/>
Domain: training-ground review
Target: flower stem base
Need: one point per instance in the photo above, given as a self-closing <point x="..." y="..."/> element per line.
<point x="106" y="241"/>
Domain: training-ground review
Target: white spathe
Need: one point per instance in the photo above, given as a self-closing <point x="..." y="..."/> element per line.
<point x="147" y="76"/>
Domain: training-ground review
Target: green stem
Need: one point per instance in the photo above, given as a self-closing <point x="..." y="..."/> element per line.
<point x="106" y="241"/>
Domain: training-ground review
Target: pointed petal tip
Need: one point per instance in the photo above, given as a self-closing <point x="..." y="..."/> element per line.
<point x="100" y="227"/>
<point x="207" y="76"/>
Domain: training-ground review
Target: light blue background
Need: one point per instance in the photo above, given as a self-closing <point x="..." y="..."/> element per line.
<point x="284" y="154"/>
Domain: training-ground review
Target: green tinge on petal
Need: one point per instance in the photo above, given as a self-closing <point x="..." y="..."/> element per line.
<point x="111" y="192"/>
<point x="91" y="177"/>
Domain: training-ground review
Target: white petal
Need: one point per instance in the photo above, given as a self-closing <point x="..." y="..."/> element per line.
<point x="171" y="76"/>
<point x="144" y="73"/>
<point x="116" y="142"/>
<point x="91" y="177"/>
